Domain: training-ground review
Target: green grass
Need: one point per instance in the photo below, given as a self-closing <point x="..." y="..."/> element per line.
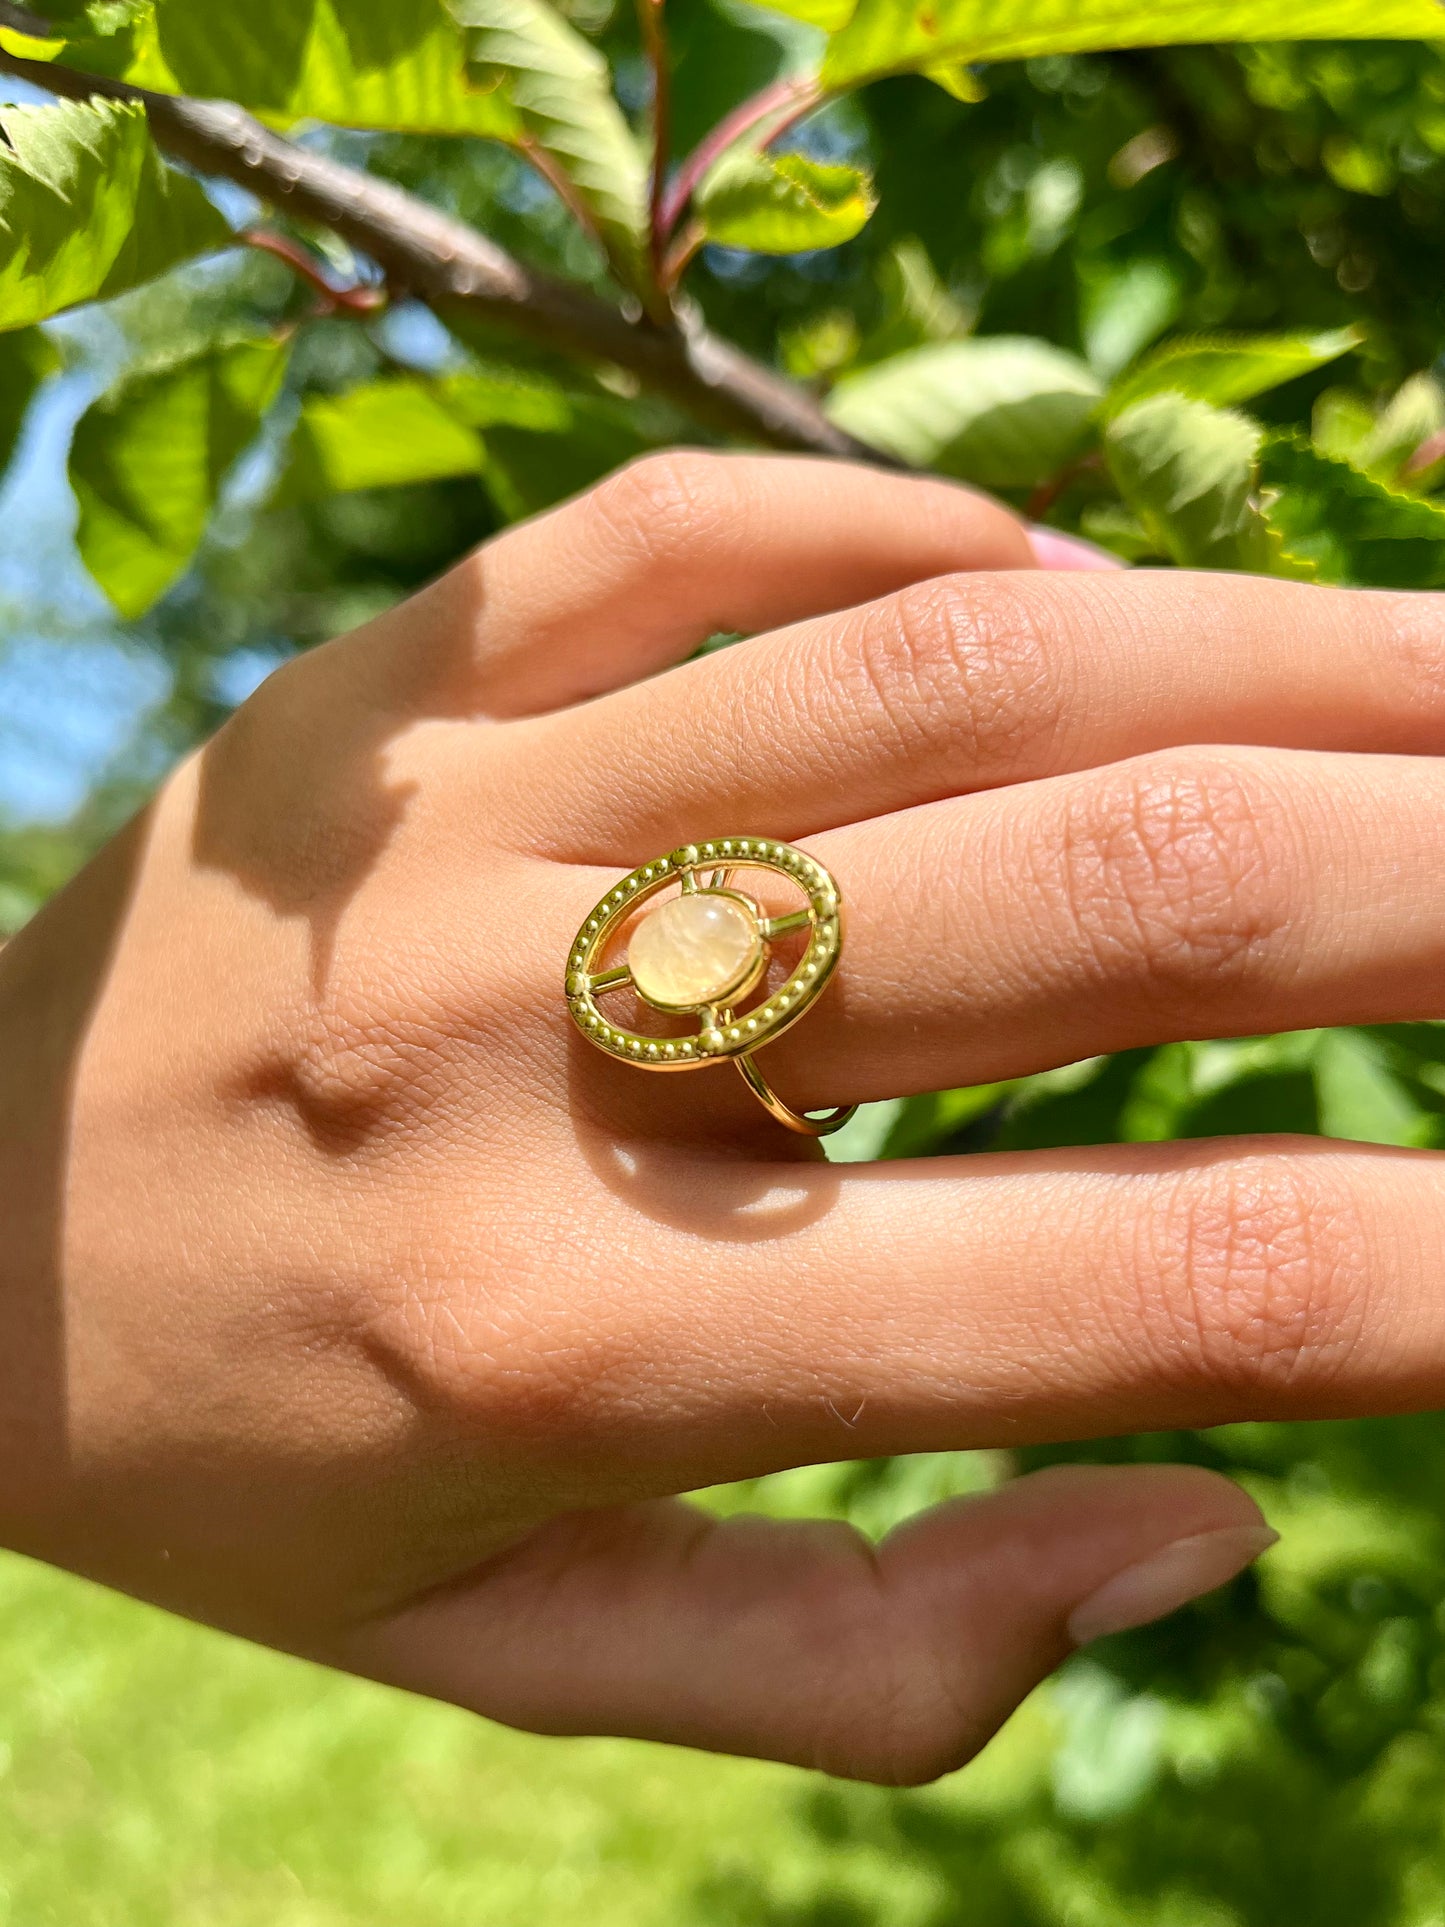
<point x="154" y="1774"/>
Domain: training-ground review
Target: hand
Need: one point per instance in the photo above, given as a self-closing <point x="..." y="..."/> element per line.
<point x="353" y="1301"/>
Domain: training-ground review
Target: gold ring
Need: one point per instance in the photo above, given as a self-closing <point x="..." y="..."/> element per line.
<point x="702" y="952"/>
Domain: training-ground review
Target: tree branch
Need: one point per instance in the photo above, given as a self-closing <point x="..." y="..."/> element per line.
<point x="459" y="272"/>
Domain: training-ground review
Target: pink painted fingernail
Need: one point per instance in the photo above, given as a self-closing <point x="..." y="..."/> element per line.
<point x="1053" y="550"/>
<point x="1169" y="1578"/>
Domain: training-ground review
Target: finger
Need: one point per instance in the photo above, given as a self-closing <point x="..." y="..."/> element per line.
<point x="1007" y="1298"/>
<point x="667" y="552"/>
<point x="800" y="1641"/>
<point x="965" y="683"/>
<point x="1195" y="893"/>
<point x="754" y="1315"/>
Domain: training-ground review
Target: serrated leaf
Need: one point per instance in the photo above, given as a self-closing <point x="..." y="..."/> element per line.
<point x="26" y="358"/>
<point x="1225" y="369"/>
<point x="1353" y="527"/>
<point x="88" y="209"/>
<point x="1188" y="472"/>
<point x="894" y="36"/>
<point x="782" y="203"/>
<point x="148" y="459"/>
<point x="1004" y="411"/>
<point x="553" y="89"/>
<point x="381" y="434"/>
<point x="532" y="80"/>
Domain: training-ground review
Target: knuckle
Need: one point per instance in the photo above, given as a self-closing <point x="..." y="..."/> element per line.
<point x="1254" y="1278"/>
<point x="1409" y="629"/>
<point x="662" y="505"/>
<point x="481" y="1340"/>
<point x="964" y="660"/>
<point x="1176" y="871"/>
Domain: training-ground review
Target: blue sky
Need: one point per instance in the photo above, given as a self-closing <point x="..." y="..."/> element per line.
<point x="71" y="691"/>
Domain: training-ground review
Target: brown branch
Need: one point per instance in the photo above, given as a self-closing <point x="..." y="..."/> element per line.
<point x="459" y="272"/>
<point x="22" y="20"/>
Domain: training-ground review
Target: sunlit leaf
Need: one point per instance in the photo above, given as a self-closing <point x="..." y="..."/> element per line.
<point x="148" y="459"/>
<point x="381" y="434"/>
<point x="892" y="36"/>
<point x="88" y="209"/>
<point x="1188" y="472"/>
<point x="510" y="70"/>
<point x="1226" y="369"/>
<point x="551" y="91"/>
<point x="1004" y="411"/>
<point x="359" y="63"/>
<point x="827" y="14"/>
<point x="782" y="203"/>
<point x="1353" y="527"/>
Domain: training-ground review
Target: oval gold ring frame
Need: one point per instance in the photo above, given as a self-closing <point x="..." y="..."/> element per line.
<point x="723" y="1032"/>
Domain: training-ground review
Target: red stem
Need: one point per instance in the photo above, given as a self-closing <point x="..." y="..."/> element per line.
<point x="1048" y="492"/>
<point x="355" y="300"/>
<point x="790" y="98"/>
<point x="1426" y="455"/>
<point x="686" y="244"/>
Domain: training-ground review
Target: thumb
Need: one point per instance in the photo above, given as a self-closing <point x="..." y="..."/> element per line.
<point x="800" y="1641"/>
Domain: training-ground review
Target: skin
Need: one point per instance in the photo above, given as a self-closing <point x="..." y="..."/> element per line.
<point x="352" y="1301"/>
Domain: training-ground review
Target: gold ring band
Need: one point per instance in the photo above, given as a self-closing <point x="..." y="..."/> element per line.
<point x="702" y="951"/>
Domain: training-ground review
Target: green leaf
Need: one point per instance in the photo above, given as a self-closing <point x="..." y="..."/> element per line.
<point x="89" y="209"/>
<point x="1414" y="413"/>
<point x="527" y="472"/>
<point x="1004" y="411"/>
<point x="1340" y="423"/>
<point x="551" y="90"/>
<point x="26" y="358"/>
<point x="357" y="63"/>
<point x="149" y="457"/>
<point x="508" y="70"/>
<point x="893" y="36"/>
<point x="1359" y="1095"/>
<point x="382" y="434"/>
<point x="1226" y="369"/>
<point x="827" y="14"/>
<point x="782" y="203"/>
<point x="1353" y="527"/>
<point x="1188" y="472"/>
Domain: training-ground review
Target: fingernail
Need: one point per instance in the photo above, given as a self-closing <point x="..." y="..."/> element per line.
<point x="1053" y="550"/>
<point x="1170" y="1578"/>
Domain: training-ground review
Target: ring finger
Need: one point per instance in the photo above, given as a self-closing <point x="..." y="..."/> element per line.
<point x="1199" y="892"/>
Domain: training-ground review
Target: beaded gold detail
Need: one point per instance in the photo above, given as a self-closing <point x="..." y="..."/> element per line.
<point x="729" y="938"/>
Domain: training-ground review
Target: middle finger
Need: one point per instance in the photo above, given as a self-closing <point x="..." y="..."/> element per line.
<point x="971" y="681"/>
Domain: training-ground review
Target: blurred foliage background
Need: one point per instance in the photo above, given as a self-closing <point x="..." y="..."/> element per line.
<point x="1274" y="1757"/>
